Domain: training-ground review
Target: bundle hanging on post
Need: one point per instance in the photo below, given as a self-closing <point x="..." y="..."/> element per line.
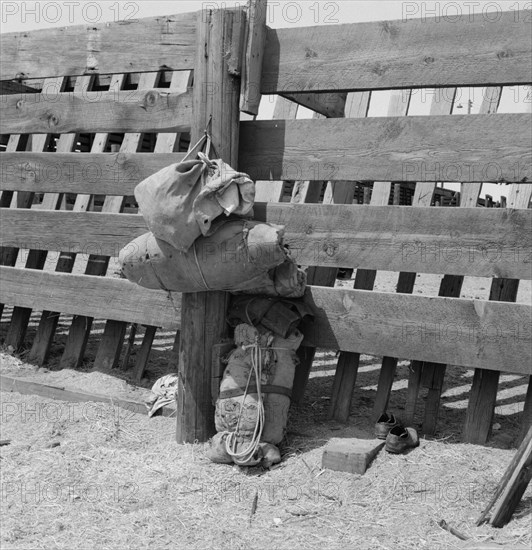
<point x="180" y="202"/>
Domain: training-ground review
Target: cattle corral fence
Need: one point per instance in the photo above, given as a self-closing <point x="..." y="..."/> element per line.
<point x="88" y="112"/>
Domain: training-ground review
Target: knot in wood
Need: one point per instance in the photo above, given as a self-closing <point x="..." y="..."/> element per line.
<point x="330" y="248"/>
<point x="53" y="120"/>
<point x="428" y="60"/>
<point x="151" y="98"/>
<point x="20" y="104"/>
<point x="309" y="230"/>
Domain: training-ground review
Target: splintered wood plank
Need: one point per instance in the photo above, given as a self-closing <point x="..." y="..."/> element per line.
<point x="328" y="235"/>
<point x="98" y="173"/>
<point x="36" y="258"/>
<point x="412" y="52"/>
<point x="348" y="363"/>
<point x="483" y="394"/>
<point x="203" y="314"/>
<point x="514" y="488"/>
<point x="349" y="320"/>
<point x="134" y="45"/>
<point x="417" y="148"/>
<point x="518" y="459"/>
<point x="142" y="110"/>
<point x="252" y="60"/>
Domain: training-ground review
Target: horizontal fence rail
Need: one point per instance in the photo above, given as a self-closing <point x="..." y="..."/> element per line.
<point x="119" y="111"/>
<point x="466" y="332"/>
<point x="95" y="173"/>
<point x="483" y="243"/>
<point x="461" y="148"/>
<point x="135" y="45"/>
<point x="423" y="52"/>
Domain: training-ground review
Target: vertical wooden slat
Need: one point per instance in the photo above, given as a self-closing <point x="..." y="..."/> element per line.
<point x="348" y="362"/>
<point x="48" y="323"/>
<point x="36" y="258"/>
<point x="165" y="143"/>
<point x="114" y="332"/>
<point x="272" y="191"/>
<point x="203" y="313"/>
<point x="433" y="373"/>
<point x="483" y="395"/>
<point x="5" y="200"/>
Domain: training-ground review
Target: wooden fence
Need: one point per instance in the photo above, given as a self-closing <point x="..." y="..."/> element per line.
<point x="80" y="131"/>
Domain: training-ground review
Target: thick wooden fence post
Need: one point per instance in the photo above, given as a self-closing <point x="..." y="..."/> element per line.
<point x="216" y="99"/>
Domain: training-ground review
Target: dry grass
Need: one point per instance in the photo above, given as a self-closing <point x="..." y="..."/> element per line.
<point x="118" y="480"/>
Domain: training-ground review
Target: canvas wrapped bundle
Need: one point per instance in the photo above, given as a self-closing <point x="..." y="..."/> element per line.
<point x="239" y="403"/>
<point x="180" y="202"/>
<point x="238" y="255"/>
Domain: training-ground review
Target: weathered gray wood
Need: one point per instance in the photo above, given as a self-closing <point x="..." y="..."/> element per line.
<point x="514" y="488"/>
<point x="89" y="296"/>
<point x="348" y="362"/>
<point x="133" y="45"/>
<point x="503" y="483"/>
<point x="492" y="242"/>
<point x="220" y="45"/>
<point x="413" y="52"/>
<point x="331" y="105"/>
<point x="144" y="353"/>
<point x="30" y="387"/>
<point x="97" y="173"/>
<point x="123" y="111"/>
<point x="473" y="333"/>
<point x="350" y="455"/>
<point x="483" y="394"/>
<point x="463" y="148"/>
<point x="252" y="61"/>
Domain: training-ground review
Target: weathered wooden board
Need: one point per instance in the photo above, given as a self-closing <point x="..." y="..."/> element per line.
<point x="90" y="296"/>
<point x="351" y="455"/>
<point x="427" y="51"/>
<point x="133" y="45"/>
<point x="95" y="173"/>
<point x="331" y="105"/>
<point x="32" y="387"/>
<point x="117" y="111"/>
<point x="473" y="333"/>
<point x="461" y="148"/>
<point x="480" y="242"/>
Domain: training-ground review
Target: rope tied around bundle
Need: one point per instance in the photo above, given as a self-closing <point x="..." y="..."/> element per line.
<point x="231" y="442"/>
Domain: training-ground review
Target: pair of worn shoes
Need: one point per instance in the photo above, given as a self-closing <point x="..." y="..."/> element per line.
<point x="398" y="438"/>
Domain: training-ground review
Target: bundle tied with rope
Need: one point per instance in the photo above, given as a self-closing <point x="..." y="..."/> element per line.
<point x="255" y="392"/>
<point x="192" y="247"/>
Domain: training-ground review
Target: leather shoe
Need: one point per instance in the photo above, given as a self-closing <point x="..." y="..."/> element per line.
<point x="399" y="439"/>
<point x="384" y="424"/>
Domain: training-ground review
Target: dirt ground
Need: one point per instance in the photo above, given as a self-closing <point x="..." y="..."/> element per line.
<point x="90" y="475"/>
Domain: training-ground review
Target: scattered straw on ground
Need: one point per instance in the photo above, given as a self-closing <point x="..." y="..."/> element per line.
<point x="89" y="475"/>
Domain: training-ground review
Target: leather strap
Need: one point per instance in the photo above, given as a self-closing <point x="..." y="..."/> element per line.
<point x="265" y="388"/>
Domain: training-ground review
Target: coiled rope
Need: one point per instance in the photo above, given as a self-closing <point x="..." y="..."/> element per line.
<point x="247" y="454"/>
